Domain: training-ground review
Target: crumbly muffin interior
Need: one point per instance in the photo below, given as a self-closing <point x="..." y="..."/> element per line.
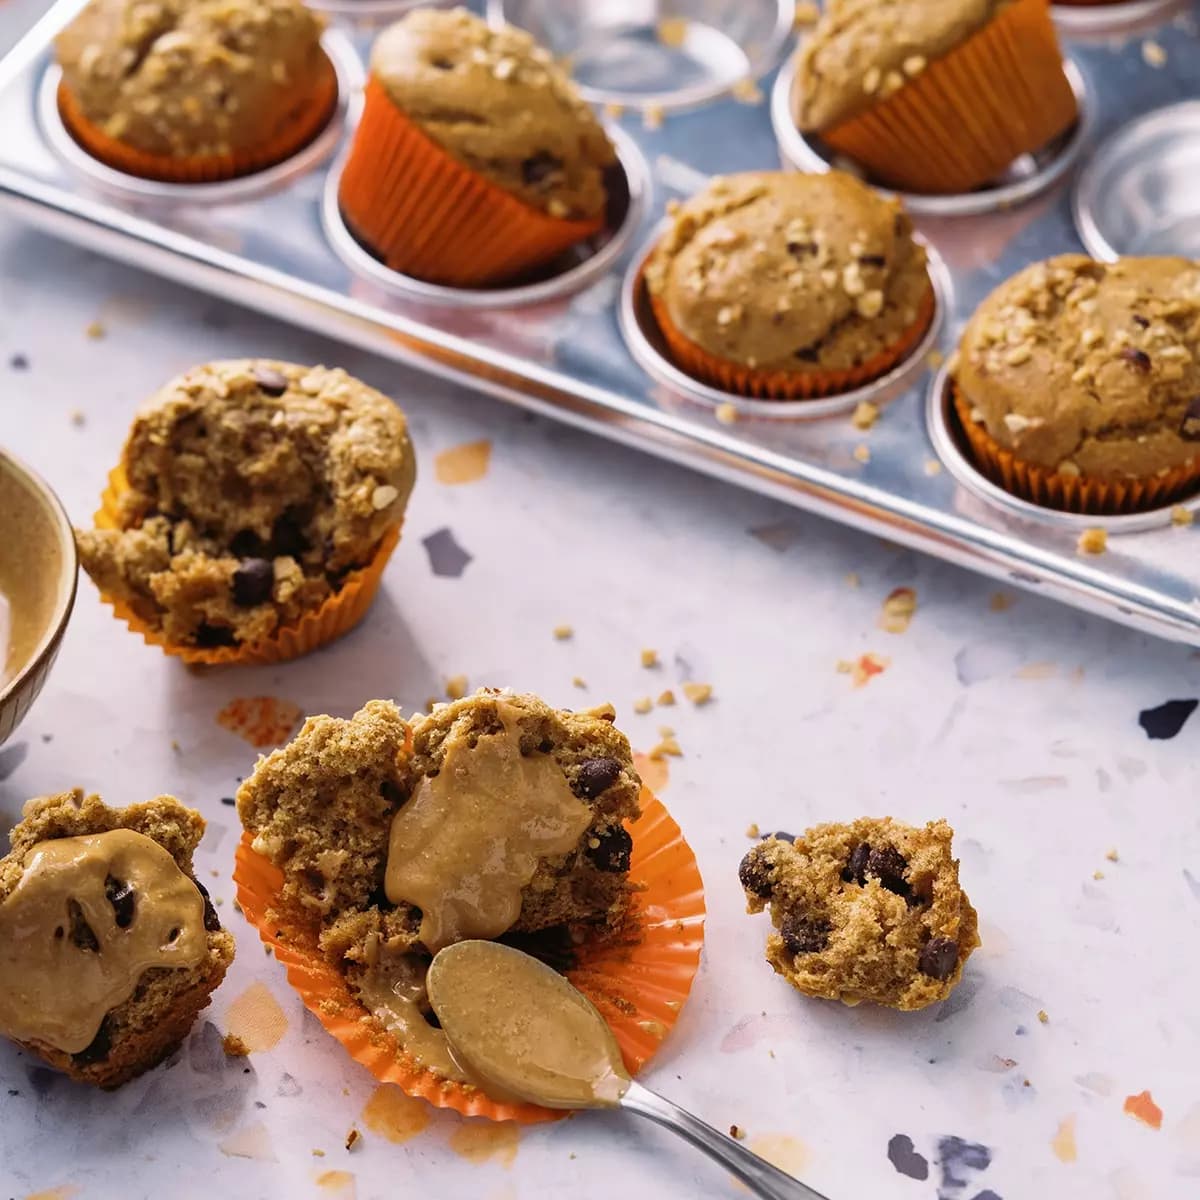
<point x="871" y="910"/>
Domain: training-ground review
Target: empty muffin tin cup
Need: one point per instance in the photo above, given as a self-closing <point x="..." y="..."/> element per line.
<point x="153" y="193"/>
<point x="1124" y="16"/>
<point x="1028" y="176"/>
<point x="949" y="443"/>
<point x="1138" y="194"/>
<point x="646" y="344"/>
<point x="669" y="54"/>
<point x="577" y="268"/>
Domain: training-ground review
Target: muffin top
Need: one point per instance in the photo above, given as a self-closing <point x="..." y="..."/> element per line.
<point x="192" y="77"/>
<point x="497" y="102"/>
<point x="862" y="51"/>
<point x="784" y="271"/>
<point x="1090" y="368"/>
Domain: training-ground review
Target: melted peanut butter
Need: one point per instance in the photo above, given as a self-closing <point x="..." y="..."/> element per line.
<point x="74" y="943"/>
<point x="467" y="843"/>
<point x="523" y="1030"/>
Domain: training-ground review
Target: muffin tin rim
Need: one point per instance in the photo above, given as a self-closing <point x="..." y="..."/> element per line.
<point x="1079" y="20"/>
<point x="967" y="475"/>
<point x="350" y="74"/>
<point x="662" y="371"/>
<point x="798" y="153"/>
<point x="364" y="265"/>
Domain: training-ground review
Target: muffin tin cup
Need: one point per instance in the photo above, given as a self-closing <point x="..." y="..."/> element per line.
<point x="941" y="422"/>
<point x="671" y="54"/>
<point x="1124" y="16"/>
<point x="614" y="240"/>
<point x="1029" y="176"/>
<point x="1138" y="193"/>
<point x="152" y="193"/>
<point x="648" y="346"/>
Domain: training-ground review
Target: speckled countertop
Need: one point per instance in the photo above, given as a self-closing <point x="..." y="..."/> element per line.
<point x="1039" y="733"/>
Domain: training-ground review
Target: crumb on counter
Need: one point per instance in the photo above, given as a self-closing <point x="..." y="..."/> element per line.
<point x="726" y="414"/>
<point x="698" y="693"/>
<point x="862" y="454"/>
<point x="1043" y="1016"/>
<point x="666" y="699"/>
<point x="1182" y="516"/>
<point x="1153" y="54"/>
<point x="737" y="1133"/>
<point x="1093" y="541"/>
<point x="807" y="13"/>
<point x="668" y="747"/>
<point x="353" y="1138"/>
<point x="746" y="91"/>
<point x="865" y="415"/>
<point x="95" y="331"/>
<point x="563" y="632"/>
<point x="456" y="687"/>
<point x="578" y="681"/>
<point x="233" y="1045"/>
<point x="752" y="830"/>
<point x="77" y="417"/>
<point x="318" y="1153"/>
<point x="1097" y="874"/>
<point x="650" y="658"/>
<point x="1111" y="854"/>
<point x="932" y="467"/>
<point x="643" y="705"/>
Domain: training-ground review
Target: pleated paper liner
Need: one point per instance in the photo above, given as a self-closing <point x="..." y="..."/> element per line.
<point x="338" y="614"/>
<point x="426" y="215"/>
<point x="969" y="114"/>
<point x="1069" y="493"/>
<point x="801" y="384"/>
<point x="311" y="116"/>
<point x="639" y="987"/>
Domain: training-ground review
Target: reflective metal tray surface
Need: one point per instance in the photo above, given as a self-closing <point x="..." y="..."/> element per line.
<point x="563" y="352"/>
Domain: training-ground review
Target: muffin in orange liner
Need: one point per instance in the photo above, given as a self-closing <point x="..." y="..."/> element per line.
<point x="638" y="984"/>
<point x="943" y="122"/>
<point x="785" y="286"/>
<point x="475" y="161"/>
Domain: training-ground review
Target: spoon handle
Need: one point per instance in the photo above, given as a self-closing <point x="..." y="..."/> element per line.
<point x="760" y="1176"/>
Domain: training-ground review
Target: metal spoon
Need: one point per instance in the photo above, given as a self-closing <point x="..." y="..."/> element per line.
<point x="522" y="1031"/>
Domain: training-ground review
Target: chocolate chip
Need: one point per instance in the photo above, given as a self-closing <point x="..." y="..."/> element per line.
<point x="939" y="957"/>
<point x="378" y="898"/>
<point x="802" y="936"/>
<point x="872" y="260"/>
<point x="808" y="354"/>
<point x="780" y="836"/>
<point x="888" y="866"/>
<point x="1136" y="358"/>
<point x="757" y="872"/>
<point x="270" y="381"/>
<point x="391" y="791"/>
<point x="120" y="895"/>
<point x="431" y="1018"/>
<point x="856" y="865"/>
<point x="287" y="534"/>
<point x="1140" y="321"/>
<point x="246" y="544"/>
<point x="801" y="249"/>
<point x="253" y="582"/>
<point x="612" y="854"/>
<point x="441" y="64"/>
<point x="537" y="168"/>
<point x="212" y="923"/>
<point x="208" y="637"/>
<point x="1189" y="427"/>
<point x="81" y="931"/>
<point x="595" y="776"/>
<point x="97" y="1049"/>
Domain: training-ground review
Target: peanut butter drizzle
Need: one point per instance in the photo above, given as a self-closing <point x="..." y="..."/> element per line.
<point x="57" y="991"/>
<point x="467" y="843"/>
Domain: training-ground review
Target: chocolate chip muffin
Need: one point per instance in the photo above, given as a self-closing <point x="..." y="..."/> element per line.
<point x="194" y="89"/>
<point x="872" y="910"/>
<point x="492" y="817"/>
<point x="251" y="494"/>
<point x="1078" y="382"/>
<point x="779" y="284"/>
<point x="109" y="945"/>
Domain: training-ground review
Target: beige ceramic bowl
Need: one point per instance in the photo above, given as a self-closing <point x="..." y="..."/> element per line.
<point x="38" y="569"/>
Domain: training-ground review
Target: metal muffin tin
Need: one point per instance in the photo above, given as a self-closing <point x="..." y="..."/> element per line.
<point x="578" y="344"/>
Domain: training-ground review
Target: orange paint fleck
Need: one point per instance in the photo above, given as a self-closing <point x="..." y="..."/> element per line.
<point x="256" y="1020"/>
<point x="393" y="1115"/>
<point x="463" y="464"/>
<point x="655" y="772"/>
<point x="262" y="720"/>
<point x="898" y="610"/>
<point x="866" y="668"/>
<point x="479" y="1141"/>
<point x="1143" y="1107"/>
<point x="1063" y="1141"/>
<point x="340" y="1184"/>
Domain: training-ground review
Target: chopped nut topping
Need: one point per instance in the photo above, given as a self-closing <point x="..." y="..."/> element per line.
<point x="914" y="64"/>
<point x="1019" y="354"/>
<point x="870" y="304"/>
<point x="871" y="81"/>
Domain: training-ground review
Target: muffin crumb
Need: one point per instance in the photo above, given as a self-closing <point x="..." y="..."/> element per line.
<point x="456" y="687"/>
<point x="1181" y="516"/>
<point x="563" y="632"/>
<point x="643" y="705"/>
<point x="650" y="658"/>
<point x="865" y="415"/>
<point x="1093" y="541"/>
<point x="698" y="693"/>
<point x="666" y="698"/>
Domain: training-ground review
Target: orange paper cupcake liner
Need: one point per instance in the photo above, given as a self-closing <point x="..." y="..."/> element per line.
<point x="1068" y="493"/>
<point x="308" y="121"/>
<point x="761" y="384"/>
<point x="640" y="989"/>
<point x="426" y="215"/>
<point x="965" y="118"/>
<point x="338" y="614"/>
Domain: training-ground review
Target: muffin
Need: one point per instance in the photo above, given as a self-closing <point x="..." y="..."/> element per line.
<point x="109" y="945"/>
<point x="494" y="817"/>
<point x="194" y="91"/>
<point x="934" y="96"/>
<point x="475" y="161"/>
<point x="1077" y="383"/>
<point x="253" y="511"/>
<point x="872" y="910"/>
<point x="781" y="285"/>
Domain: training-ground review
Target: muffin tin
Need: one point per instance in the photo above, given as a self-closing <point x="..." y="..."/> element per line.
<point x="577" y="343"/>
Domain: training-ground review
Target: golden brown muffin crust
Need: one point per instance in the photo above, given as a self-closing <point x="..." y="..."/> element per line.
<point x="192" y="77"/>
<point x="497" y="102"/>
<point x="785" y="271"/>
<point x="1090" y="368"/>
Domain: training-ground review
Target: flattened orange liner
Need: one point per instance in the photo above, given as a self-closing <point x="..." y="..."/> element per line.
<point x="964" y="119"/>
<point x="311" y="116"/>
<point x="640" y="989"/>
<point x="741" y="380"/>
<point x="1069" y="493"/>
<point x="426" y="215"/>
<point x="338" y="614"/>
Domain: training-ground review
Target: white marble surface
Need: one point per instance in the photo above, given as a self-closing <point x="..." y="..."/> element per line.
<point x="1020" y="726"/>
